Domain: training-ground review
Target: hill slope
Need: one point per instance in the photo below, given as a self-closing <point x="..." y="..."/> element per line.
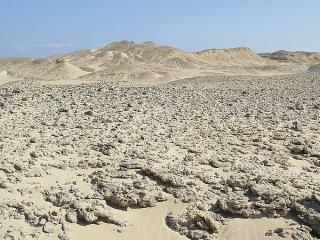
<point x="46" y="69"/>
<point x="233" y="57"/>
<point x="314" y="68"/>
<point x="298" y="57"/>
<point x="147" y="61"/>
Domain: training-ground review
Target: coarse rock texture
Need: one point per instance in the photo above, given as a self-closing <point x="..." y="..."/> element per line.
<point x="196" y="223"/>
<point x="314" y="68"/>
<point x="226" y="152"/>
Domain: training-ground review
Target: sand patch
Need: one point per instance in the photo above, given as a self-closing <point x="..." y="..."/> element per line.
<point x="143" y="224"/>
<point x="253" y="229"/>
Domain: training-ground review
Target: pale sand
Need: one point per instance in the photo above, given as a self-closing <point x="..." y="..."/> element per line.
<point x="253" y="229"/>
<point x="143" y="224"/>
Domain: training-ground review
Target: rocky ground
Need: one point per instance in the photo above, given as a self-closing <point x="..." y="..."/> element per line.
<point x="228" y="149"/>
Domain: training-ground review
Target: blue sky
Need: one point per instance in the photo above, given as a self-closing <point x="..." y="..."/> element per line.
<point x="40" y="28"/>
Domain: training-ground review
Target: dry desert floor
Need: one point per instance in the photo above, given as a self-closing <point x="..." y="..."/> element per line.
<point x="216" y="157"/>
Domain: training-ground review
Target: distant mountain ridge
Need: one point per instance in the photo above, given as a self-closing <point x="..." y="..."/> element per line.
<point x="147" y="61"/>
<point x="297" y="57"/>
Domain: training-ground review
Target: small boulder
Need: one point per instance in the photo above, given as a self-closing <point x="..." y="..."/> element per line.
<point x="48" y="227"/>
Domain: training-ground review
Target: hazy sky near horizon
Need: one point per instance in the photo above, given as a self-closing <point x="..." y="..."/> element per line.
<point x="40" y="28"/>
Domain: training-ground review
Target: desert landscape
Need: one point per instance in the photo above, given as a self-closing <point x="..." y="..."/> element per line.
<point x="141" y="141"/>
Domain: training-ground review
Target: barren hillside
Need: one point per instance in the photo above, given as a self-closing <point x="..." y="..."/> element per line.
<point x="298" y="57"/>
<point x="149" y="63"/>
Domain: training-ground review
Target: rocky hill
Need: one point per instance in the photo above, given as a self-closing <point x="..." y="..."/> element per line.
<point x="298" y="57"/>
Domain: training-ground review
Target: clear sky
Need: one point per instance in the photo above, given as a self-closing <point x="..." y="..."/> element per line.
<point x="44" y="27"/>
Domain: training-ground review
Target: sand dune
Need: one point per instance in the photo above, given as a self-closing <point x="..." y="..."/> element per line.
<point x="233" y="57"/>
<point x="148" y="62"/>
<point x="51" y="69"/>
<point x="172" y="63"/>
<point x="134" y="62"/>
<point x="152" y="53"/>
<point x="57" y="69"/>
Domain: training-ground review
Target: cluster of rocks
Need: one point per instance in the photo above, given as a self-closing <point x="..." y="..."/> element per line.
<point x="136" y="191"/>
<point x="79" y="206"/>
<point x="196" y="223"/>
<point x="228" y="147"/>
